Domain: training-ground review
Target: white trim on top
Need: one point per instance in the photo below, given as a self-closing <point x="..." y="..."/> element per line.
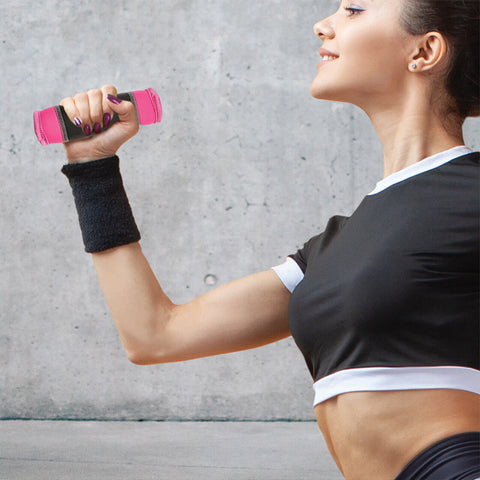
<point x="422" y="166"/>
<point x="396" y="378"/>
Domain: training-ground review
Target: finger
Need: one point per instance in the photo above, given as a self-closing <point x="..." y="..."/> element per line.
<point x="125" y="111"/>
<point x="96" y="108"/>
<point x="107" y="110"/>
<point x="83" y="106"/>
<point x="71" y="110"/>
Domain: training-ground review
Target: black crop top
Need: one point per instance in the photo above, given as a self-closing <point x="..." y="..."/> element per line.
<point x="389" y="297"/>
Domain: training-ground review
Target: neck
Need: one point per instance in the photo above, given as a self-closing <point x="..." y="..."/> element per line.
<point x="410" y="132"/>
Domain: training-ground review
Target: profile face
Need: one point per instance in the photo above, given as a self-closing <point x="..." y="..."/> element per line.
<point x="365" y="53"/>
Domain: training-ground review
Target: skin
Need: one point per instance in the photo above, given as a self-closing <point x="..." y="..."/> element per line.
<point x="370" y="434"/>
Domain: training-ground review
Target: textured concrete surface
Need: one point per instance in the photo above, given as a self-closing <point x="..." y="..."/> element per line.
<point x="166" y="450"/>
<point x="245" y="167"/>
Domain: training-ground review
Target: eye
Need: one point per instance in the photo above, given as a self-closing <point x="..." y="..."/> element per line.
<point x="353" y="11"/>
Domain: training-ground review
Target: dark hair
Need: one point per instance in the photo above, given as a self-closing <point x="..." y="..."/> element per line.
<point x="459" y="22"/>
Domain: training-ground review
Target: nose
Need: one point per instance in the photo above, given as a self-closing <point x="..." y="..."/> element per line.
<point x="324" y="28"/>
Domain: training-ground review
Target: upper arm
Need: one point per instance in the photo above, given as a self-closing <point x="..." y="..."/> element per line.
<point x="239" y="315"/>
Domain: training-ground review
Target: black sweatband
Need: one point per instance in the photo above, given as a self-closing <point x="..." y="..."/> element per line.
<point x="104" y="213"/>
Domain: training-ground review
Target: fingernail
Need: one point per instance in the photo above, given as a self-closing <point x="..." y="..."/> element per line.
<point x="97" y="128"/>
<point x="106" y="119"/>
<point x="87" y="129"/>
<point x="77" y="121"/>
<point x="114" y="99"/>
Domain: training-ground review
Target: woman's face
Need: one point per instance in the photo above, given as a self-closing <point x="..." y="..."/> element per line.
<point x="370" y="53"/>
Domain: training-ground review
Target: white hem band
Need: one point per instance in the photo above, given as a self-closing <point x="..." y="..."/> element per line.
<point x="396" y="378"/>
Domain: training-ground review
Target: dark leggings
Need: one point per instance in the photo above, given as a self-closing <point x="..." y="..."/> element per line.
<point x="455" y="458"/>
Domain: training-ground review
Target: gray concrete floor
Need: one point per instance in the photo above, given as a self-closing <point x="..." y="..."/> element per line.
<point x="41" y="450"/>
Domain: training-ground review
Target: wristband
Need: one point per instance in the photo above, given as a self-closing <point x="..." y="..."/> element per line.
<point x="104" y="213"/>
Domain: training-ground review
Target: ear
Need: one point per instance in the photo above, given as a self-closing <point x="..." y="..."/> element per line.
<point x="430" y="51"/>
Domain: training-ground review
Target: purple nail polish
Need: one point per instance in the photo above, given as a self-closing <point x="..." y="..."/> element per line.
<point x="114" y="99"/>
<point x="77" y="121"/>
<point x="97" y="128"/>
<point x="87" y="129"/>
<point x="106" y="119"/>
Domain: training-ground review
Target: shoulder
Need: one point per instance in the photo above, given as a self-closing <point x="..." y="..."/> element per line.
<point x="464" y="168"/>
<point x="319" y="242"/>
<point x="456" y="185"/>
<point x="292" y="271"/>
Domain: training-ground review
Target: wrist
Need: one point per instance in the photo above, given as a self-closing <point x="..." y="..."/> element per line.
<point x="105" y="216"/>
<point x="77" y="153"/>
<point x="91" y="157"/>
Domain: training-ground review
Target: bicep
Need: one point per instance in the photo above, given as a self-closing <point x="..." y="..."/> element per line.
<point x="246" y="313"/>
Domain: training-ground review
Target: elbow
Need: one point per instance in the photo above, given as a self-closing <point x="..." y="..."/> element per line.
<point x="138" y="358"/>
<point x="142" y="357"/>
<point x="148" y="347"/>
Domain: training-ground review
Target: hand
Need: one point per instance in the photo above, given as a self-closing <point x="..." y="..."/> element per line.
<point x="94" y="110"/>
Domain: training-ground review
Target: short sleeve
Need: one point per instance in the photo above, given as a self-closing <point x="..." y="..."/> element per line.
<point x="291" y="272"/>
<point x="301" y="256"/>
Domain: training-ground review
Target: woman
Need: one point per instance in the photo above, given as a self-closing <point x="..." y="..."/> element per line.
<point x="384" y="305"/>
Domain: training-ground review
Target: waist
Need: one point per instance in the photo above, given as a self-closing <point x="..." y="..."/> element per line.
<point x="375" y="435"/>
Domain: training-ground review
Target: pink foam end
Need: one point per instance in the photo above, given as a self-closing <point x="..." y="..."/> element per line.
<point x="47" y="126"/>
<point x="149" y="108"/>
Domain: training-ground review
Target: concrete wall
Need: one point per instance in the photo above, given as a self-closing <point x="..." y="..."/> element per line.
<point x="244" y="168"/>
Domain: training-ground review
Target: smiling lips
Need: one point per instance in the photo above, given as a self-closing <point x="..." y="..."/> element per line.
<point x="326" y="56"/>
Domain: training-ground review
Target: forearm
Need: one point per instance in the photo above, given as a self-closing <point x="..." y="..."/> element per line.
<point x="136" y="301"/>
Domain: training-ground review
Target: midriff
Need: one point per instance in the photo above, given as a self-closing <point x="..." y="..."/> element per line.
<point x="374" y="435"/>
